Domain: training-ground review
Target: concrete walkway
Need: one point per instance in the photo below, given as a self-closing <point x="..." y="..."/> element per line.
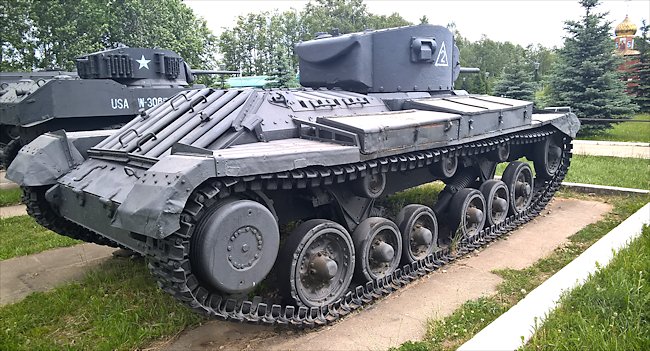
<point x="6" y="183"/>
<point x="611" y="148"/>
<point x="43" y="271"/>
<point x="12" y="211"/>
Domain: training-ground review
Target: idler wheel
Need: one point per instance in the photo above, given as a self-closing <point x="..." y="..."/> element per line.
<point x="467" y="213"/>
<point x="317" y="263"/>
<point x="419" y="228"/>
<point x="518" y="177"/>
<point x="235" y="246"/>
<point x="378" y="245"/>
<point x="547" y="156"/>
<point x="496" y="197"/>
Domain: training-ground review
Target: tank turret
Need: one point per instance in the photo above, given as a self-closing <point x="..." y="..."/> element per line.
<point x="136" y="66"/>
<point x="416" y="58"/>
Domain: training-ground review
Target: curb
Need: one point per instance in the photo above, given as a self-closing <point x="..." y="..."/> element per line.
<point x="611" y="149"/>
<point x="603" y="189"/>
<point x="514" y="328"/>
<point x="600" y="189"/>
<point x="610" y="143"/>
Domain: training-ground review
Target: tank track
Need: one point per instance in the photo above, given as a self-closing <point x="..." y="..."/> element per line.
<point x="39" y="209"/>
<point x="9" y="152"/>
<point x="171" y="265"/>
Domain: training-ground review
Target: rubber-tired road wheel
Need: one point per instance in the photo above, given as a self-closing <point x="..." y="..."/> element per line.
<point x="378" y="245"/>
<point x="316" y="263"/>
<point x="235" y="245"/>
<point x="419" y="228"/>
<point x="467" y="213"/>
<point x="518" y="177"/>
<point x="547" y="156"/>
<point x="496" y="197"/>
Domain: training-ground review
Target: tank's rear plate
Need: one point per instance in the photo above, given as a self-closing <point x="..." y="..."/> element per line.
<point x="400" y="130"/>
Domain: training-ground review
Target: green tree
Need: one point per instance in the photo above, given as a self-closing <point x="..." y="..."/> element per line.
<point x="543" y="56"/>
<point x="516" y="82"/>
<point x="492" y="57"/>
<point x="641" y="71"/>
<point x="260" y="43"/>
<point x="585" y="76"/>
<point x="282" y="75"/>
<point x="254" y="43"/>
<point x="47" y="33"/>
<point x="15" y="34"/>
<point x="323" y="15"/>
<point x="168" y="24"/>
<point x="391" y="21"/>
<point x="348" y="16"/>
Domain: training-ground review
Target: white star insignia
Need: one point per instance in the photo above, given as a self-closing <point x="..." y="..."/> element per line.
<point x="143" y="62"/>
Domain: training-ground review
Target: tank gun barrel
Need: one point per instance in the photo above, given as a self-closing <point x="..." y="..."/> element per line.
<point x="470" y="70"/>
<point x="200" y="72"/>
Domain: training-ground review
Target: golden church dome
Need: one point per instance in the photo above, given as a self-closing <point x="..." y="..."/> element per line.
<point x="625" y="28"/>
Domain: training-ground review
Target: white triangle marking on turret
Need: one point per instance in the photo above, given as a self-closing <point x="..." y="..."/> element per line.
<point x="442" y="56"/>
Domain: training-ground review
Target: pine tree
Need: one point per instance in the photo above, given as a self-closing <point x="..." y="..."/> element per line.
<point x="586" y="76"/>
<point x="282" y="75"/>
<point x="641" y="71"/>
<point x="516" y="83"/>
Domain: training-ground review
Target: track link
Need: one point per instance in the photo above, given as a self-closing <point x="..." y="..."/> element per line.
<point x="170" y="263"/>
<point x="39" y="209"/>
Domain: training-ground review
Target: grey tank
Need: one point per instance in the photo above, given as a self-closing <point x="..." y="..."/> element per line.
<point x="109" y="88"/>
<point x="202" y="184"/>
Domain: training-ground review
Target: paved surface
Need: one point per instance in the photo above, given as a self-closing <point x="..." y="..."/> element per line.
<point x="403" y="315"/>
<point x="24" y="275"/>
<point x="5" y="183"/>
<point x="12" y="211"/>
<point x="611" y="148"/>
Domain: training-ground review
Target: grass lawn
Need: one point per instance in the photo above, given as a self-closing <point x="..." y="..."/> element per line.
<point x="606" y="170"/>
<point x="116" y="307"/>
<point x="609" y="312"/>
<point x="425" y="194"/>
<point x="614" y="171"/>
<point x="23" y="236"/>
<point x="451" y="332"/>
<point x="10" y="197"/>
<point x="626" y="131"/>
